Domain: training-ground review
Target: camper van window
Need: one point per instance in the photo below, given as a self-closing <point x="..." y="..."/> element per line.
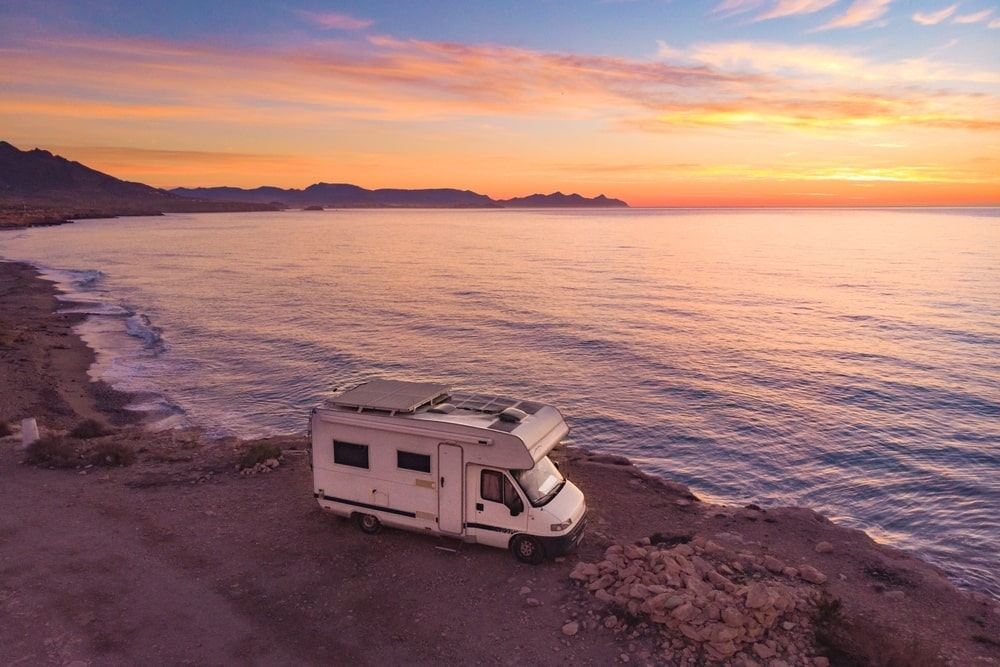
<point x="491" y="486"/>
<point x="349" y="454"/>
<point x="411" y="461"/>
<point x="495" y="486"/>
<point x="541" y="483"/>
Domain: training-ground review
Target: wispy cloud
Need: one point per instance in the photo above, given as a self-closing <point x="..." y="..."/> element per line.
<point x="731" y="86"/>
<point x="859" y="13"/>
<point x="731" y="7"/>
<point x="977" y="17"/>
<point x="992" y="25"/>
<point x="784" y="8"/>
<point x="331" y="21"/>
<point x="933" y="18"/>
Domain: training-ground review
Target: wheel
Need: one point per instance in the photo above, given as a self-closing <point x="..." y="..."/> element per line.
<point x="368" y="523"/>
<point x="527" y="549"/>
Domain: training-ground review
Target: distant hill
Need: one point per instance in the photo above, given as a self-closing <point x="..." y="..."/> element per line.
<point x="343" y="195"/>
<point x="559" y="200"/>
<point x="37" y="174"/>
<point x="37" y="187"/>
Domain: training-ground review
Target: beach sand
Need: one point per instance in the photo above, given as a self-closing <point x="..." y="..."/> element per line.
<point x="179" y="559"/>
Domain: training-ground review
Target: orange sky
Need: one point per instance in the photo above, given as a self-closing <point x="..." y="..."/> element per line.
<point x="776" y="104"/>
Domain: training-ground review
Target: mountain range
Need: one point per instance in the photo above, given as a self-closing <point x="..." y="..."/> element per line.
<point x="343" y="195"/>
<point x="37" y="187"/>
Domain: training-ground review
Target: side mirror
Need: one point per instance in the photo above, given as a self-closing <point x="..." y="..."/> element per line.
<point x="516" y="505"/>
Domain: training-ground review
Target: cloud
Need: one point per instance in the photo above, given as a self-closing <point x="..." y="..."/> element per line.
<point x="731" y="7"/>
<point x="783" y="8"/>
<point x="992" y="25"/>
<point x="728" y="86"/>
<point x="330" y="21"/>
<point x="859" y="13"/>
<point x="667" y="52"/>
<point x="978" y="17"/>
<point x="934" y="18"/>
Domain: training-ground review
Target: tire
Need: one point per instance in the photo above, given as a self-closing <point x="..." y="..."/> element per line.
<point x="368" y="523"/>
<point x="527" y="549"/>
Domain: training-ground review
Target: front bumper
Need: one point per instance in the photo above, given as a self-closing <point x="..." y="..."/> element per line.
<point x="565" y="543"/>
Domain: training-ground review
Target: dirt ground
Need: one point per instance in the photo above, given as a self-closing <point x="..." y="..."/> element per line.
<point x="178" y="559"/>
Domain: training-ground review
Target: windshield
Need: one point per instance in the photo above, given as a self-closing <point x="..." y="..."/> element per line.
<point x="540" y="483"/>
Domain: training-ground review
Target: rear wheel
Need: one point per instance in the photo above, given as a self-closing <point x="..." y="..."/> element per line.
<point x="368" y="523"/>
<point x="527" y="549"/>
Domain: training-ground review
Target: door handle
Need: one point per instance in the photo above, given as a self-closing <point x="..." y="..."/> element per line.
<point x="442" y="482"/>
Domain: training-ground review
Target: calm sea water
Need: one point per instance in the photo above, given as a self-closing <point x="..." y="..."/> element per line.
<point x="845" y="360"/>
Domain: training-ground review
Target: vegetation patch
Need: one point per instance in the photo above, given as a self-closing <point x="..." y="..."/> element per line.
<point x="258" y="453"/>
<point x="5" y="430"/>
<point x="90" y="428"/>
<point x="53" y="452"/>
<point x="859" y="641"/>
<point x="113" y="454"/>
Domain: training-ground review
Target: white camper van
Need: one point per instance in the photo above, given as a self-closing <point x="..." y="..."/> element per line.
<point x="418" y="456"/>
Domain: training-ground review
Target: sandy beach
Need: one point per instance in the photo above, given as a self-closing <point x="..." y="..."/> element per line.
<point x="182" y="559"/>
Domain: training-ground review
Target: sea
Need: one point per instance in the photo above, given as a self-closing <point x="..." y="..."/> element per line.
<point x="846" y="360"/>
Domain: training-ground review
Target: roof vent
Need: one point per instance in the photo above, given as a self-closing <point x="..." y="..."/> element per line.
<point x="442" y="408"/>
<point x="513" y="415"/>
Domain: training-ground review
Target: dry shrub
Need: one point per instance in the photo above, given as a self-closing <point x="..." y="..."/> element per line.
<point x="52" y="451"/>
<point x="5" y="430"/>
<point x="861" y="642"/>
<point x="113" y="454"/>
<point x="259" y="452"/>
<point x="90" y="428"/>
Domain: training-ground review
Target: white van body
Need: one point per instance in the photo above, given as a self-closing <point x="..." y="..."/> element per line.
<point x="418" y="456"/>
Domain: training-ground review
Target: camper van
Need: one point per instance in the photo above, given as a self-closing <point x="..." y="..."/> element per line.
<point x="421" y="457"/>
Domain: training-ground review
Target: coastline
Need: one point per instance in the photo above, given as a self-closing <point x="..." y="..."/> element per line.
<point x="178" y="557"/>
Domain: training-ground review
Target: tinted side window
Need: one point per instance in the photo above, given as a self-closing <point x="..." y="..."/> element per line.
<point x="411" y="461"/>
<point x="350" y="454"/>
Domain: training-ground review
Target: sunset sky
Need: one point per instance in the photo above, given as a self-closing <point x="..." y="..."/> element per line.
<point x="658" y="102"/>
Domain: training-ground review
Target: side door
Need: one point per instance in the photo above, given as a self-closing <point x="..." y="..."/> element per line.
<point x="450" y="477"/>
<point x="499" y="509"/>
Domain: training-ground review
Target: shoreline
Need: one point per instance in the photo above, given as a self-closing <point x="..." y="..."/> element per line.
<point x="179" y="500"/>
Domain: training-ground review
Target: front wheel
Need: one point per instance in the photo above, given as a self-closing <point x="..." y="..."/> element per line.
<point x="368" y="523"/>
<point x="527" y="549"/>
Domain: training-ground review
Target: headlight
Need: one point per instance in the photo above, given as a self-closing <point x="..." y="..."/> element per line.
<point x="557" y="527"/>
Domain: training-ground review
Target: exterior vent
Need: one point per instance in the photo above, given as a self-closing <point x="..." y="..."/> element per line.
<point x="513" y="415"/>
<point x="442" y="408"/>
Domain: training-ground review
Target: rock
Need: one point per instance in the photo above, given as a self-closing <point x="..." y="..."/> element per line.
<point x="603" y="582"/>
<point x="525" y="590"/>
<point x="824" y="548"/>
<point x="757" y="596"/>
<point x="571" y="628"/>
<point x="634" y="553"/>
<point x="811" y="574"/>
<point x="683" y="612"/>
<point x="584" y="571"/>
<point x="725" y="649"/>
<point x="773" y="564"/>
<point x="763" y="651"/>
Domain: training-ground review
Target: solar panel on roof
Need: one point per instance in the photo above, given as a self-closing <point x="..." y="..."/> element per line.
<point x="391" y="395"/>
<point x="482" y="403"/>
